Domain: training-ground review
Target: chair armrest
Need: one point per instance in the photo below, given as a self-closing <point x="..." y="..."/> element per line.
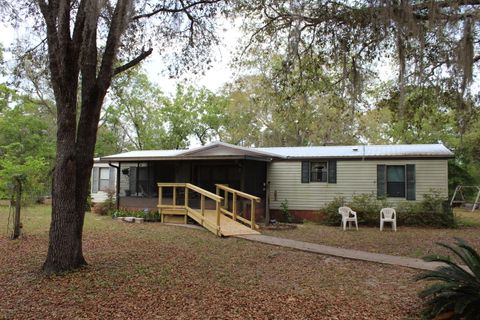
<point x="353" y="213"/>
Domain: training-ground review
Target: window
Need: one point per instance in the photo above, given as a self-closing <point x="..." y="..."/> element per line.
<point x="396" y="181"/>
<point x="319" y="171"/>
<point x="104" y="181"/>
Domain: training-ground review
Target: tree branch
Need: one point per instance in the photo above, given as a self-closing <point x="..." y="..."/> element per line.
<point x="445" y="4"/>
<point x="117" y="26"/>
<point x="174" y="10"/>
<point x="133" y="62"/>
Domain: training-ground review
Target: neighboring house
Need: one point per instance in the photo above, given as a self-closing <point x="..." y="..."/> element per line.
<point x="104" y="178"/>
<point x="307" y="177"/>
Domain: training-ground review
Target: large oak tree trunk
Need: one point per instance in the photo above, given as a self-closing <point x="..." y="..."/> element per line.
<point x="74" y="56"/>
<point x="65" y="245"/>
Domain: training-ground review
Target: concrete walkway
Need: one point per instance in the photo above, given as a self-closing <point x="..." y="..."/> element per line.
<point x="335" y="251"/>
<point x="344" y="253"/>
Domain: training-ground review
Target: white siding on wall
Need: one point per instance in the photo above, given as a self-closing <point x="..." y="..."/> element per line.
<point x="353" y="177"/>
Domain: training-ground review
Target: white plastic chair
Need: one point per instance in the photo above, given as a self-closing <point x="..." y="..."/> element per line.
<point x="348" y="215"/>
<point x="388" y="215"/>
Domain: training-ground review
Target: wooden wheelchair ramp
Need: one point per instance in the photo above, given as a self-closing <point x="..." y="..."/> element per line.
<point x="211" y="212"/>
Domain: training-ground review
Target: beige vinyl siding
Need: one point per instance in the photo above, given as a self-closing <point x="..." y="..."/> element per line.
<point x="353" y="177"/>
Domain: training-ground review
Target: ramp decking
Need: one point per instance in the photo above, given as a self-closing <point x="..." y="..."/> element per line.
<point x="220" y="220"/>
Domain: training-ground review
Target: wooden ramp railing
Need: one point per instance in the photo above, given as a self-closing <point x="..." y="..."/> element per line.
<point x="236" y="194"/>
<point x="209" y="213"/>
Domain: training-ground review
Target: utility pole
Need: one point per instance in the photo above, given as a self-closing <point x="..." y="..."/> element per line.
<point x="18" y="199"/>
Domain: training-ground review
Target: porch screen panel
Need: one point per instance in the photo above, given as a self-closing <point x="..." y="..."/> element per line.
<point x="143" y="181"/>
<point x="132" y="181"/>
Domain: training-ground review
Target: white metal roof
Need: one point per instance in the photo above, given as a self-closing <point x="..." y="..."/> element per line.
<point x="144" y="154"/>
<point x="360" y="151"/>
<point x="400" y="150"/>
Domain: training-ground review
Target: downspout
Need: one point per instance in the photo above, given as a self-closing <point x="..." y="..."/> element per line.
<point x="117" y="191"/>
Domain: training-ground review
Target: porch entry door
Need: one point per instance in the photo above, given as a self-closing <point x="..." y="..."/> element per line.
<point x="208" y="175"/>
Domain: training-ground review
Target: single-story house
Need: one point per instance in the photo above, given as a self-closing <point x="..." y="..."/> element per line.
<point x="307" y="177"/>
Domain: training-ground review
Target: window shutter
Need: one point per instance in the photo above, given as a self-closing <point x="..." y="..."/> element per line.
<point x="332" y="171"/>
<point x="411" y="190"/>
<point x="112" y="178"/>
<point x="305" y="171"/>
<point x="133" y="180"/>
<point x="95" y="173"/>
<point x="381" y="180"/>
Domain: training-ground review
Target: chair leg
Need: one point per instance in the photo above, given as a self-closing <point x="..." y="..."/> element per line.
<point x="381" y="225"/>
<point x="394" y="223"/>
<point x="356" y="224"/>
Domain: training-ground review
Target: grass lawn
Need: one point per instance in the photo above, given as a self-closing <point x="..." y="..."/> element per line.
<point x="153" y="271"/>
<point x="407" y="241"/>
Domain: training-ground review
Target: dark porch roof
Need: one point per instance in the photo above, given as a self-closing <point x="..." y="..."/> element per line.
<point x="215" y="150"/>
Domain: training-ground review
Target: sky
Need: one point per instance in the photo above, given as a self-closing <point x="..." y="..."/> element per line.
<point x="213" y="79"/>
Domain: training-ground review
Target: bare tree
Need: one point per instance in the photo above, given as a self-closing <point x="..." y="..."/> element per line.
<point x="86" y="40"/>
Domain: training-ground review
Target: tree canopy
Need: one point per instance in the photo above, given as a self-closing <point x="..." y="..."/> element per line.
<point x="430" y="42"/>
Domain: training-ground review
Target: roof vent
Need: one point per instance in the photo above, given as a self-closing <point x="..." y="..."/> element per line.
<point x="355" y="148"/>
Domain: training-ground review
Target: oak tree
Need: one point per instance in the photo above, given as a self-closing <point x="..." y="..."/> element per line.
<point x="433" y="43"/>
<point x="88" y="43"/>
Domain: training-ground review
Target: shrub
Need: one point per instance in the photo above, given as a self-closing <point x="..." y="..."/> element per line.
<point x="367" y="208"/>
<point x="89" y="203"/>
<point x="152" y="216"/>
<point x="146" y="214"/>
<point x="432" y="211"/>
<point x="106" y="207"/>
<point x="103" y="208"/>
<point x="331" y="211"/>
<point x="456" y="294"/>
<point x="286" y="216"/>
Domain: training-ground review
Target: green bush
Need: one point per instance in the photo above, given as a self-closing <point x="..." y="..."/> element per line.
<point x="107" y="207"/>
<point x="367" y="208"/>
<point x="286" y="216"/>
<point x="89" y="203"/>
<point x="331" y="211"/>
<point x="432" y="211"/>
<point x="146" y="214"/>
<point x="456" y="291"/>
